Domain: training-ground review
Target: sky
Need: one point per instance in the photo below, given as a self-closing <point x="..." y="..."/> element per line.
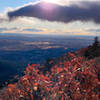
<point x="53" y="17"/>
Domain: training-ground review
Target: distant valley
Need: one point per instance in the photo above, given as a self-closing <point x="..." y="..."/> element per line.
<point x="17" y="51"/>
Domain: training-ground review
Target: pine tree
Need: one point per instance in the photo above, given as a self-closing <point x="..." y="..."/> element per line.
<point x="96" y="43"/>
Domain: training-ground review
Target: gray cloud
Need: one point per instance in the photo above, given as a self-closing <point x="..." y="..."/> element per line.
<point x="32" y="30"/>
<point x="83" y="11"/>
<point x="7" y="29"/>
<point x="14" y="28"/>
<point x="93" y="30"/>
<point x="3" y="29"/>
<point x="3" y="18"/>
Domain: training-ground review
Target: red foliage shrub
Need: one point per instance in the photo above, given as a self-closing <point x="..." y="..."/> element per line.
<point x="76" y="79"/>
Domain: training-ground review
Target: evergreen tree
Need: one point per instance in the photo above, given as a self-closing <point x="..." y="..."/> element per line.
<point x="94" y="50"/>
<point x="96" y="42"/>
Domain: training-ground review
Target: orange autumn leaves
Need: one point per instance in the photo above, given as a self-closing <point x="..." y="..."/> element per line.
<point x="73" y="79"/>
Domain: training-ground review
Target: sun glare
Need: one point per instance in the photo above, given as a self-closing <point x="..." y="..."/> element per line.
<point x="51" y="1"/>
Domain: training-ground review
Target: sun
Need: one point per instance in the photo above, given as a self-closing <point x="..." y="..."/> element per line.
<point x="51" y="1"/>
<point x="60" y="2"/>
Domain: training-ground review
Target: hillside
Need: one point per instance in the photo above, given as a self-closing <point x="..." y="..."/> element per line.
<point x="17" y="51"/>
<point x="50" y="50"/>
<point x="92" y="51"/>
<point x="72" y="78"/>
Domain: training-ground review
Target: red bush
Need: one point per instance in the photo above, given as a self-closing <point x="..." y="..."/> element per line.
<point x="76" y="79"/>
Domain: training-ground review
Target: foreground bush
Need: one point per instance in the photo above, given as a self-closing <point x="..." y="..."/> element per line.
<point x="74" y="79"/>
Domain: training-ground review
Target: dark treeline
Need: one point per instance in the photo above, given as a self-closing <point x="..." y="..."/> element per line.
<point x="93" y="50"/>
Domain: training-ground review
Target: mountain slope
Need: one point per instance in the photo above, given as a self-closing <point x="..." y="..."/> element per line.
<point x="71" y="77"/>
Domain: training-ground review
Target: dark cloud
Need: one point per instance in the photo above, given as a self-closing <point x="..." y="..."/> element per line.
<point x="83" y="11"/>
<point x="32" y="30"/>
